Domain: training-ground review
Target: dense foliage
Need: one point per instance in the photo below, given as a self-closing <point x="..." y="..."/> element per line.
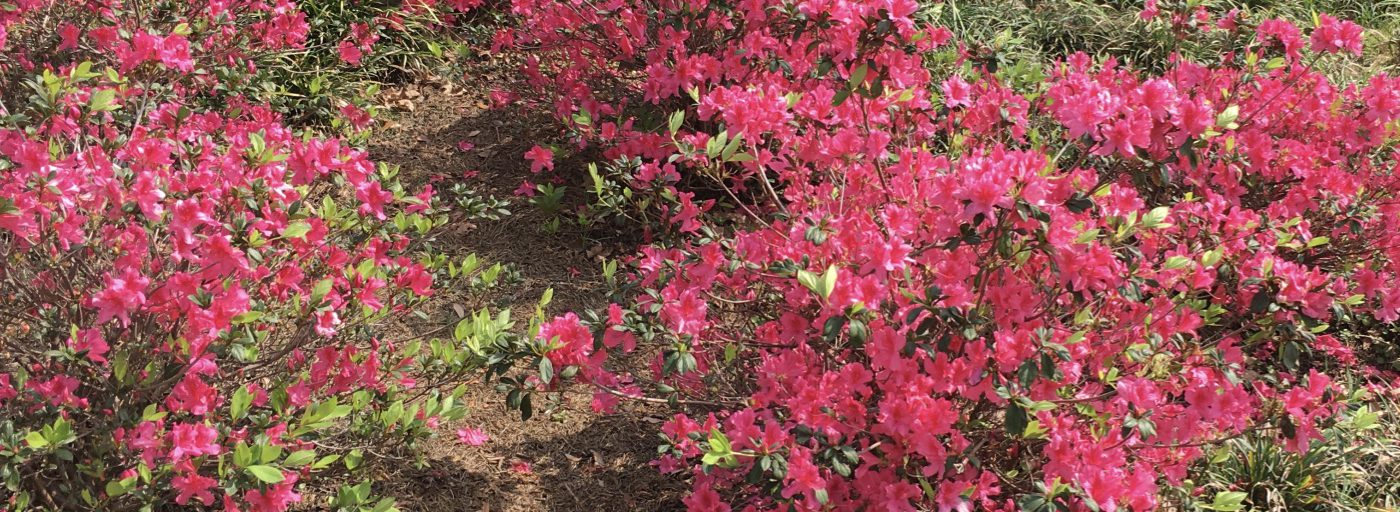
<point x="966" y="285"/>
<point x="193" y="295"/>
<point x="888" y="264"/>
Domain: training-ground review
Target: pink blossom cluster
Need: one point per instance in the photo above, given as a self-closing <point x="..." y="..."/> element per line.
<point x="190" y="296"/>
<point x="942" y="280"/>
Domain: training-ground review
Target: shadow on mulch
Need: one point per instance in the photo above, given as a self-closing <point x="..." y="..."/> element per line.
<point x="577" y="460"/>
<point x="603" y="466"/>
<point x="424" y="144"/>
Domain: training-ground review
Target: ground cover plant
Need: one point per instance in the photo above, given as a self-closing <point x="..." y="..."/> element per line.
<point x="884" y="254"/>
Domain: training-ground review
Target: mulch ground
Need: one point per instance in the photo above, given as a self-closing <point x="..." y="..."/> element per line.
<point x="576" y="460"/>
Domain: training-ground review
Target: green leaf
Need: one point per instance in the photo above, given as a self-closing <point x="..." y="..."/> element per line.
<point x="1176" y="262"/>
<point x="1261" y="301"/>
<point x="1290" y="355"/>
<point x="353" y="459"/>
<point x="101" y="101"/>
<point x="463" y="329"/>
<point x="858" y="75"/>
<point x="821" y="285"/>
<point x="247" y="317"/>
<point x="677" y="118"/>
<point x="150" y="413"/>
<point x="297" y="229"/>
<point x="718" y="441"/>
<point x="1220" y="455"/>
<point x="36" y="440"/>
<point x="299" y="458"/>
<point x="320" y="290"/>
<point x="583" y="118"/>
<point x="84" y="71"/>
<point x="1364" y="419"/>
<point x="808" y="280"/>
<point x="597" y="185"/>
<point x="385" y="505"/>
<point x="1155" y="217"/>
<point x="715" y="145"/>
<point x="840" y="97"/>
<point x="242" y="455"/>
<point x="1211" y="257"/>
<point x="1033" y="503"/>
<point x="115" y="488"/>
<point x="325" y="462"/>
<point x="240" y="403"/>
<point x="731" y="148"/>
<point x="1227" y="118"/>
<point x="1228" y="501"/>
<point x="720" y="452"/>
<point x="268" y="453"/>
<point x="527" y="408"/>
<point x="1016" y="419"/>
<point x="546" y="370"/>
<point x="828" y="282"/>
<point x="392" y="415"/>
<point x="266" y="474"/>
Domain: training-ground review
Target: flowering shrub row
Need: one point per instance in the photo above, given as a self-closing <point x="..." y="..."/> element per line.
<point x="193" y="295"/>
<point x="951" y="290"/>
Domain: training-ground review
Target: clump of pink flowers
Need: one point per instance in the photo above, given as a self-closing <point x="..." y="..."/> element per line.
<point x="191" y="287"/>
<point x="942" y="279"/>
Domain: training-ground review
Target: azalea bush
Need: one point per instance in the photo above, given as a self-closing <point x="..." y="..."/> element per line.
<point x="318" y="62"/>
<point x="198" y="301"/>
<point x="900" y="278"/>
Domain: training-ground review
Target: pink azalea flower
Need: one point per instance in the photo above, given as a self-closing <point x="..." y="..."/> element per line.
<point x="276" y="498"/>
<point x="540" y="159"/>
<point x="90" y="341"/>
<point x="193" y="485"/>
<point x="472" y="436"/>
<point x="193" y="440"/>
<point x="122" y="296"/>
<point x="956" y="92"/>
<point x="1333" y="35"/>
<point x="358" y="119"/>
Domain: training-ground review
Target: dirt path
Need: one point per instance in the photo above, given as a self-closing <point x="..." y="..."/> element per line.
<point x="577" y="460"/>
